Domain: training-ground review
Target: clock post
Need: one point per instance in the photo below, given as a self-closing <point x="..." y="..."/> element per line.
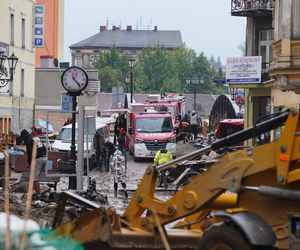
<point x="72" y="160"/>
<point x="74" y="79"/>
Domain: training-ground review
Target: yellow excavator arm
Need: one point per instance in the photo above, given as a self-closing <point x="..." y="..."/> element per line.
<point x="226" y="174"/>
<point x="261" y="185"/>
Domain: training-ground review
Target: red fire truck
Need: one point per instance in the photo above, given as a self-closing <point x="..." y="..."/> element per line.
<point x="175" y="104"/>
<point x="149" y="132"/>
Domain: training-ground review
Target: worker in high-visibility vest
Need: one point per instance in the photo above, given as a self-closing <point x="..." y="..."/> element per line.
<point x="162" y="156"/>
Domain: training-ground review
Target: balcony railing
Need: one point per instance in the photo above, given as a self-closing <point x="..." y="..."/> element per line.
<point x="251" y="7"/>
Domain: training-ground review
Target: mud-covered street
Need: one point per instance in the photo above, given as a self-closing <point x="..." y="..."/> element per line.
<point x="43" y="212"/>
<point x="135" y="171"/>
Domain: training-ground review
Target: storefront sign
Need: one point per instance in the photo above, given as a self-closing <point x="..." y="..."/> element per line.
<point x="243" y="69"/>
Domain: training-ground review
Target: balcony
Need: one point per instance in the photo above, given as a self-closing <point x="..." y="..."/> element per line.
<point x="251" y="7"/>
<point x="285" y="64"/>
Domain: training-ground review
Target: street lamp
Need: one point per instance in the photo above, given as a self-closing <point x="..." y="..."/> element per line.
<point x="127" y="80"/>
<point x="194" y="81"/>
<point x="131" y="62"/>
<point x="12" y="63"/>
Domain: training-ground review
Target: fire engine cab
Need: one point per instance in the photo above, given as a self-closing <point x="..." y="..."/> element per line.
<point x="175" y="106"/>
<point x="149" y="132"/>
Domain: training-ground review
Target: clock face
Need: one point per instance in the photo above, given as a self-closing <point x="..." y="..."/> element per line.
<point x="74" y="79"/>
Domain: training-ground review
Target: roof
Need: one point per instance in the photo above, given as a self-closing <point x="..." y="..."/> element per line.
<point x="132" y="39"/>
<point x="204" y="103"/>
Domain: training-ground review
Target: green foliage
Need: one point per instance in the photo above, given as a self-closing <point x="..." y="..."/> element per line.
<point x="158" y="70"/>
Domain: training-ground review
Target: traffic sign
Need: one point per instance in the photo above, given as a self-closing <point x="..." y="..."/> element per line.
<point x="38" y="42"/>
<point x="219" y="81"/>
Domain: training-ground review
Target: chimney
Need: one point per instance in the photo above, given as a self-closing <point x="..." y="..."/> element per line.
<point x="155" y="28"/>
<point x="114" y="27"/>
<point x="129" y="27"/>
<point x="102" y="28"/>
<point x="47" y="62"/>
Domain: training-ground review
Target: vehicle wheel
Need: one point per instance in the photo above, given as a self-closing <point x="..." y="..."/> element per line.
<point x="223" y="237"/>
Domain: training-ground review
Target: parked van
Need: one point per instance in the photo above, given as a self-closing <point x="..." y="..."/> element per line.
<point x="149" y="132"/>
<point x="63" y="140"/>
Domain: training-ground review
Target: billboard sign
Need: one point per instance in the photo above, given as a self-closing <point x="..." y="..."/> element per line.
<point x="243" y="69"/>
<point x="38" y="26"/>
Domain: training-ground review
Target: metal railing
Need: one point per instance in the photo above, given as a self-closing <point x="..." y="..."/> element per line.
<point x="251" y="5"/>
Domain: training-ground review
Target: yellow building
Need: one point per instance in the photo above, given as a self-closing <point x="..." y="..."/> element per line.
<point x="17" y="97"/>
<point x="272" y="32"/>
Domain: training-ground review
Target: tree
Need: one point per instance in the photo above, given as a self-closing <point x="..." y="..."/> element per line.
<point x="157" y="70"/>
<point x="112" y="67"/>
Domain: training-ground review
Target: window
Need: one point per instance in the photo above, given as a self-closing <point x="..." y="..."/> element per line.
<point x="78" y="61"/>
<point x="12" y="29"/>
<point x="154" y="124"/>
<point x="23" y="33"/>
<point x="22" y="82"/>
<point x="93" y="60"/>
<point x="265" y="45"/>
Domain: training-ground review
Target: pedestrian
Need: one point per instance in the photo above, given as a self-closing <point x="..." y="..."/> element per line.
<point x="204" y="131"/>
<point x="34" y="131"/>
<point x="41" y="160"/>
<point x="117" y="167"/>
<point x="122" y="122"/>
<point x="98" y="144"/>
<point x="195" y="124"/>
<point x="185" y="128"/>
<point x="162" y="156"/>
<point x="116" y="129"/>
<point x="122" y="143"/>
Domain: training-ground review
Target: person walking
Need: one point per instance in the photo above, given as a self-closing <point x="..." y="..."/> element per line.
<point x="116" y="129"/>
<point x="185" y="128"/>
<point x="98" y="144"/>
<point x="205" y="130"/>
<point x="196" y="125"/>
<point x="122" y="143"/>
<point x="34" y="132"/>
<point x="117" y="167"/>
<point x="162" y="156"/>
<point x="41" y="160"/>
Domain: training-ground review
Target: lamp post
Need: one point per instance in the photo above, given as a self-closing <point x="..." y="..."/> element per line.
<point x="131" y="62"/>
<point x="12" y="63"/>
<point x="193" y="81"/>
<point x="127" y="80"/>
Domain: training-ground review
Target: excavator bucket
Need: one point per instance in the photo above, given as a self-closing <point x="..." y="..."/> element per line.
<point x="103" y="228"/>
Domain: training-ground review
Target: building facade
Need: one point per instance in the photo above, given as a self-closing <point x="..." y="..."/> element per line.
<point x="17" y="98"/>
<point x="85" y="52"/>
<point x="273" y="32"/>
<point x="53" y="33"/>
<point x="48" y="97"/>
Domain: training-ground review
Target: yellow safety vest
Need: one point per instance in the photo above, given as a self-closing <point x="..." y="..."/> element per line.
<point x="161" y="158"/>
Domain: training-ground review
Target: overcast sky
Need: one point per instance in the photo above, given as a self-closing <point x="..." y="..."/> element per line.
<point x="205" y="25"/>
